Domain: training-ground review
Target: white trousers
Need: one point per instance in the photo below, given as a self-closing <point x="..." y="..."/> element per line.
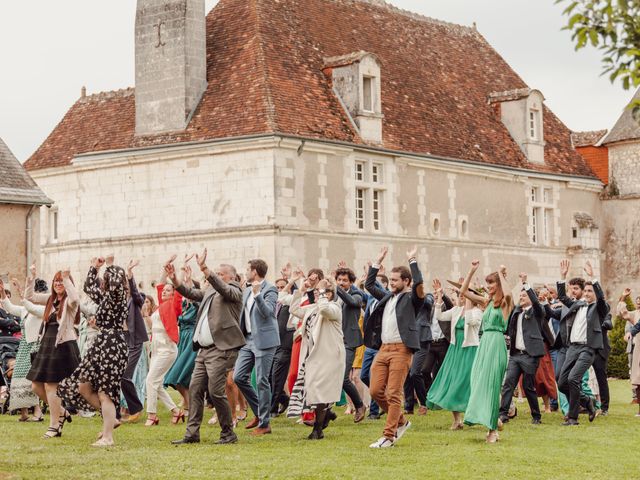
<point x="162" y="357"/>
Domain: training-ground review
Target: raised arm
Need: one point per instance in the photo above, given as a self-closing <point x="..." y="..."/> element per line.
<point x="506" y="288"/>
<point x="11" y="309"/>
<point x="136" y="296"/>
<point x="355" y="300"/>
<point x="538" y="310"/>
<point x="417" y="288"/>
<point x="266" y="301"/>
<point x="464" y="289"/>
<point x="36" y="310"/>
<point x="370" y="283"/>
<point x="92" y="283"/>
<point x="29" y="293"/>
<point x="329" y="310"/>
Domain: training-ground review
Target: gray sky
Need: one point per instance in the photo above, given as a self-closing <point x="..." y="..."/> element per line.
<point x="50" y="49"/>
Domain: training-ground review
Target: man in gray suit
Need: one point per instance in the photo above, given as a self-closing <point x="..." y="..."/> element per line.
<point x="217" y="338"/>
<point x="260" y="327"/>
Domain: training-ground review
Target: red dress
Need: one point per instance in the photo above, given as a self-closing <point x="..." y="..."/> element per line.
<point x="169" y="312"/>
<point x="307" y="417"/>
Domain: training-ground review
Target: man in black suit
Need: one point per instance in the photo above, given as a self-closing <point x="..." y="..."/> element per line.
<point x="600" y="366"/>
<point x="415" y="385"/>
<point x="581" y="328"/>
<point x="352" y="301"/>
<point x="282" y="358"/>
<point x="525" y="330"/>
<point x="392" y="330"/>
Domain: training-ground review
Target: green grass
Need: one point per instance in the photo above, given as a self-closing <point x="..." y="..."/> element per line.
<point x="605" y="449"/>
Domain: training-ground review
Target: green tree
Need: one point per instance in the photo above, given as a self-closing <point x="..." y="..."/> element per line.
<point x="612" y="26"/>
<point x="618" y="366"/>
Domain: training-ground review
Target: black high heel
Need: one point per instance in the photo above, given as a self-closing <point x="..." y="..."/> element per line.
<point x="57" y="432"/>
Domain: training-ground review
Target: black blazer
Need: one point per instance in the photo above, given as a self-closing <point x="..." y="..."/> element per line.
<point x="532" y="326"/>
<point x="424" y="317"/>
<point x="407" y="308"/>
<point x="606" y="326"/>
<point x="135" y="322"/>
<point x="596" y="316"/>
<point x="286" y="335"/>
<point x="353" y="300"/>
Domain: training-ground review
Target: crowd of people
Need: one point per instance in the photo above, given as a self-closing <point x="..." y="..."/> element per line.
<point x="386" y="342"/>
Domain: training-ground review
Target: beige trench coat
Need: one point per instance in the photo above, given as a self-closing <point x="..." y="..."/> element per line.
<point x="324" y="366"/>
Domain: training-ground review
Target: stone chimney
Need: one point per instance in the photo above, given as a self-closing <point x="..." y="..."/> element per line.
<point x="171" y="63"/>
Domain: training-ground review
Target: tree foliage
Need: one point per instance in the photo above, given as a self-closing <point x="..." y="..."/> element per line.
<point x="612" y="26"/>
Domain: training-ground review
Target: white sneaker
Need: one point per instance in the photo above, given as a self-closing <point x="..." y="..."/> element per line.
<point x="382" y="442"/>
<point x="403" y="428"/>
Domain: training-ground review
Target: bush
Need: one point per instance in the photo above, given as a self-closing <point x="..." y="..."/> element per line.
<point x="618" y="360"/>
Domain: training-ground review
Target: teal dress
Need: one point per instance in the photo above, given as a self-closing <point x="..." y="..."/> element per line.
<point x="487" y="372"/>
<point x="180" y="372"/>
<point x="452" y="386"/>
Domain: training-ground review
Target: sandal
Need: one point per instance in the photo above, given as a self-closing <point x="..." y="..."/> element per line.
<point x="36" y="419"/>
<point x="177" y="417"/>
<point x="52" y="432"/>
<point x="103" y="443"/>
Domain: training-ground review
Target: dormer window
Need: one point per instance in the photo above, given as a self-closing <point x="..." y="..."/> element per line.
<point x="521" y="112"/>
<point x="356" y="82"/>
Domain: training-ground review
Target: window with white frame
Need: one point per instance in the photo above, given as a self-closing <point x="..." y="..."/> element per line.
<point x="541" y="215"/>
<point x="533" y="124"/>
<point x="368" y="89"/>
<point x="369" y="195"/>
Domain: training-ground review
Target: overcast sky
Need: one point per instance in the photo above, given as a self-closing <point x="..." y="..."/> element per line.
<point x="50" y="49"/>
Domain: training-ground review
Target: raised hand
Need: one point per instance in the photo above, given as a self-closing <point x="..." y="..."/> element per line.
<point x="187" y="274"/>
<point x="97" y="262"/>
<point x="132" y="264"/>
<point x="202" y="259"/>
<point x="588" y="269"/>
<point x="66" y="273"/>
<point x="627" y="292"/>
<point x="255" y="287"/>
<point x="564" y="268"/>
<point x="412" y="252"/>
<point x="475" y="264"/>
<point x="382" y="255"/>
<point x="298" y="273"/>
<point x="170" y="270"/>
<point x="503" y="271"/>
<point x="342" y="264"/>
<point x="16" y="286"/>
<point x="187" y="258"/>
<point x="171" y="259"/>
<point x="109" y="259"/>
<point x="523" y="277"/>
<point x="285" y="271"/>
<point x="32" y="272"/>
<point x="436" y="284"/>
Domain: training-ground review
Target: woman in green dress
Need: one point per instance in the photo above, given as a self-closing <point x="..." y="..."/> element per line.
<point x="490" y="363"/>
<point x="451" y="387"/>
<point x="179" y="375"/>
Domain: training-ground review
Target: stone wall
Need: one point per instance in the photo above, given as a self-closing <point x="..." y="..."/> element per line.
<point x="13" y="238"/>
<point x="624" y="165"/>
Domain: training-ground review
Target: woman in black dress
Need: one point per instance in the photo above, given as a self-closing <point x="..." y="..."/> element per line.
<point x="96" y="382"/>
<point x="58" y="355"/>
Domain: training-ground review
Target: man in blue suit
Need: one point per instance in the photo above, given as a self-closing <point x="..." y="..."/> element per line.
<point x="260" y="327"/>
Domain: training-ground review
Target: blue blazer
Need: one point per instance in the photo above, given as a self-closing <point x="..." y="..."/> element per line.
<point x="264" y="325"/>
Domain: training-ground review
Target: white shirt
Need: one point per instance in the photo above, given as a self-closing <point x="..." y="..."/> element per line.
<point x="247" y="308"/>
<point x="579" y="329"/>
<point x="203" y="334"/>
<point x="519" y="335"/>
<point x="390" y="332"/>
<point x="436" y="331"/>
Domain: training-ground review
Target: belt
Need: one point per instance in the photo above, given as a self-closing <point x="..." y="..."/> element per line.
<point x="521" y="352"/>
<point x="578" y="343"/>
<point x="440" y="340"/>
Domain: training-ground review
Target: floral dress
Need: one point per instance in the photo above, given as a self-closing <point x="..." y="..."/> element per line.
<point x="106" y="359"/>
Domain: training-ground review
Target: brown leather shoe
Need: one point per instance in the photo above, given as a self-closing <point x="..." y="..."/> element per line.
<point x="358" y="416"/>
<point x="422" y="410"/>
<point x="252" y="424"/>
<point x="258" y="432"/>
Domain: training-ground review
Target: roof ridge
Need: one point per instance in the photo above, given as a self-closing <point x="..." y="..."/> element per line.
<point x="262" y="64"/>
<point x="455" y="27"/>
<point x="107" y="95"/>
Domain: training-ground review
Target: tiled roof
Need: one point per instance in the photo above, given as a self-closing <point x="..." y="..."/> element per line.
<point x="16" y="186"/>
<point x="265" y="61"/>
<point x="587" y="139"/>
<point x="626" y="128"/>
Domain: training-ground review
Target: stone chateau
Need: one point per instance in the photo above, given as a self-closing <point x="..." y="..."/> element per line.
<point x="320" y="130"/>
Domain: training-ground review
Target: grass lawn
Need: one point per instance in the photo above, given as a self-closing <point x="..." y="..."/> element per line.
<point x="605" y="449"/>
